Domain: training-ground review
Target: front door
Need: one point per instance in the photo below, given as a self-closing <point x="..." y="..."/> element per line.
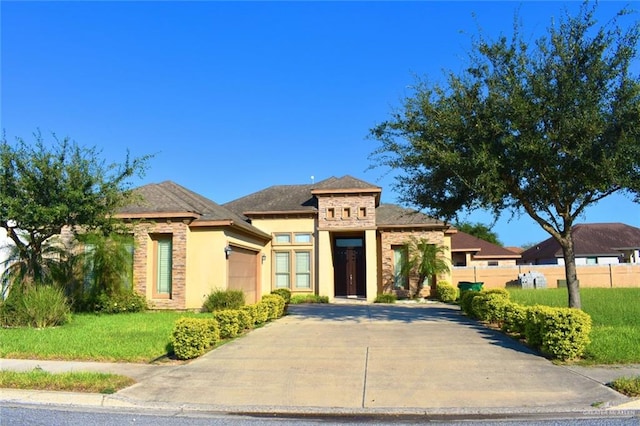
<point x="349" y="268"/>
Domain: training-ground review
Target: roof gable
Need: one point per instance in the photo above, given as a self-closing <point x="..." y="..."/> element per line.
<point x="168" y="199"/>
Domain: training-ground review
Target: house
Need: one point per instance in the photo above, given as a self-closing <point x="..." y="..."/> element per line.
<point x="594" y="244"/>
<point x="467" y="250"/>
<point x="333" y="238"/>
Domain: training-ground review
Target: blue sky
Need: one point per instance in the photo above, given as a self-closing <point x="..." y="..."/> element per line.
<point x="233" y="97"/>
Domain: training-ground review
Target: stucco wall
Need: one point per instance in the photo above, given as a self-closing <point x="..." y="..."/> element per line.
<point x="291" y="225"/>
<point x="619" y="275"/>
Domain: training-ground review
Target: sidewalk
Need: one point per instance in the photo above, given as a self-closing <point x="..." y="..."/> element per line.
<point x="356" y="359"/>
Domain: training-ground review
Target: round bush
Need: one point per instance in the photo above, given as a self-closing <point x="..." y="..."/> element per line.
<point x="446" y="292"/>
<point x="285" y="293"/>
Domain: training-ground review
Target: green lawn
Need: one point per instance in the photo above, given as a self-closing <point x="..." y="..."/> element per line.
<point x="71" y="381"/>
<point x="616" y="320"/>
<point x="138" y="337"/>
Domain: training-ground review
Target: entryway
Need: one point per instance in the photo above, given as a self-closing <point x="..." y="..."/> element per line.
<point x="349" y="266"/>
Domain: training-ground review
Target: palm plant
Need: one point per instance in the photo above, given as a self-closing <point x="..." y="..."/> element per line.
<point x="425" y="261"/>
<point x="26" y="268"/>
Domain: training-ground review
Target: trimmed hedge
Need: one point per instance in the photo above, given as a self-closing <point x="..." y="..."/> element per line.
<point x="229" y="322"/>
<point x="192" y="336"/>
<point x="308" y="298"/>
<point x="276" y="305"/>
<point x="285" y="293"/>
<point x="445" y="292"/>
<point x="561" y="333"/>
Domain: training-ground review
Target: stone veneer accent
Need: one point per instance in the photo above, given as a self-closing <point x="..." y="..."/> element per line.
<point x="143" y="233"/>
<point x="341" y="201"/>
<point x="389" y="239"/>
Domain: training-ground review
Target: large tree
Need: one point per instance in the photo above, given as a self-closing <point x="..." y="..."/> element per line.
<point x="548" y="128"/>
<point x="47" y="186"/>
<point x="479" y="230"/>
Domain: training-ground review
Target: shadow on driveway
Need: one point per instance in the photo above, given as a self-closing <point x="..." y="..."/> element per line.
<point x="446" y="315"/>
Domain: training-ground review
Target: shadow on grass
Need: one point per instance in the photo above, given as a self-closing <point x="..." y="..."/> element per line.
<point x="409" y="315"/>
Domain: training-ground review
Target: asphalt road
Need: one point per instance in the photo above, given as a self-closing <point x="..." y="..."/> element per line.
<point x="53" y="416"/>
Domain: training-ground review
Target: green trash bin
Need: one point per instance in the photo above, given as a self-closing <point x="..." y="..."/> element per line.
<point x="470" y="286"/>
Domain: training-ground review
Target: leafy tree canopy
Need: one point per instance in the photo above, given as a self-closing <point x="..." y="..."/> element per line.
<point x="479" y="230"/>
<point x="547" y="127"/>
<point x="46" y="186"/>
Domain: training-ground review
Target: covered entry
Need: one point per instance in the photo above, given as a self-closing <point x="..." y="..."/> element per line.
<point x="243" y="271"/>
<point x="349" y="266"/>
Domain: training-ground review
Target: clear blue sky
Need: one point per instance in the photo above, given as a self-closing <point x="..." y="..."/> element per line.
<point x="235" y="97"/>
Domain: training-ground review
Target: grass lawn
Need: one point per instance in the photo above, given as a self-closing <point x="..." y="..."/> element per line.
<point x="138" y="337"/>
<point x="615" y="314"/>
<point x="72" y="381"/>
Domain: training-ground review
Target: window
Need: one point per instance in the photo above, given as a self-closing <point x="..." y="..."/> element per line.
<point x="163" y="251"/>
<point x="592" y="260"/>
<point x="302" y="238"/>
<point x="400" y="280"/>
<point x="300" y="269"/>
<point x="362" y="212"/>
<point x="492" y="263"/>
<point x="282" y="239"/>
<point x="346" y="212"/>
<point x="303" y="269"/>
<point x="331" y="213"/>
<point x="282" y="269"/>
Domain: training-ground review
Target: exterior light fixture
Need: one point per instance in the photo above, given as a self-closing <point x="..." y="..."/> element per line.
<point x="227" y="251"/>
<point x="264" y="257"/>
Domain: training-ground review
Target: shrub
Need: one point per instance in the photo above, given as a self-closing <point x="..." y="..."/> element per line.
<point x="276" y="305"/>
<point x="308" y="298"/>
<point x="562" y="333"/>
<point x="252" y="312"/>
<point x="262" y="312"/>
<point x="228" y="322"/>
<point x="126" y="301"/>
<point x="41" y="306"/>
<point x="629" y="386"/>
<point x="285" y="293"/>
<point x="224" y="299"/>
<point x="489" y="306"/>
<point x="192" y="336"/>
<point x="446" y="292"/>
<point x="386" y="298"/>
<point x="245" y="319"/>
<point x="466" y="298"/>
<point x="533" y="325"/>
<point x="565" y="333"/>
<point x="515" y="318"/>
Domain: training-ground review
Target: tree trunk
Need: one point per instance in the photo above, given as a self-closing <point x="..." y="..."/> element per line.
<point x="573" y="288"/>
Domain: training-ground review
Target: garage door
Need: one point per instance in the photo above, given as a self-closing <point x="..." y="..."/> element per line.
<point x="243" y="268"/>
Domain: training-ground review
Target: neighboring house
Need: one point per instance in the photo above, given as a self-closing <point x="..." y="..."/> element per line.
<point x="5" y="249"/>
<point x="594" y="244"/>
<point x="467" y="250"/>
<point x="331" y="238"/>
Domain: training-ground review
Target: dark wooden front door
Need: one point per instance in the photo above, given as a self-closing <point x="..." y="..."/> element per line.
<point x="349" y="272"/>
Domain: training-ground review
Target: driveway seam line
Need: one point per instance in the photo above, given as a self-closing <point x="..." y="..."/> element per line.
<point x="364" y="384"/>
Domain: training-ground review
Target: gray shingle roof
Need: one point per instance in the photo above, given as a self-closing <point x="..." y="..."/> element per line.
<point x="394" y="215"/>
<point x="589" y="239"/>
<point x="278" y="198"/>
<point x="169" y="197"/>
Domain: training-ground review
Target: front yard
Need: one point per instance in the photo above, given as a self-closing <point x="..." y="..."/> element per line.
<point x="615" y="313"/>
<point x="137" y="337"/>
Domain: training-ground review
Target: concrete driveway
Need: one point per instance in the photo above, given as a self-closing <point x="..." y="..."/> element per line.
<point x="373" y="358"/>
